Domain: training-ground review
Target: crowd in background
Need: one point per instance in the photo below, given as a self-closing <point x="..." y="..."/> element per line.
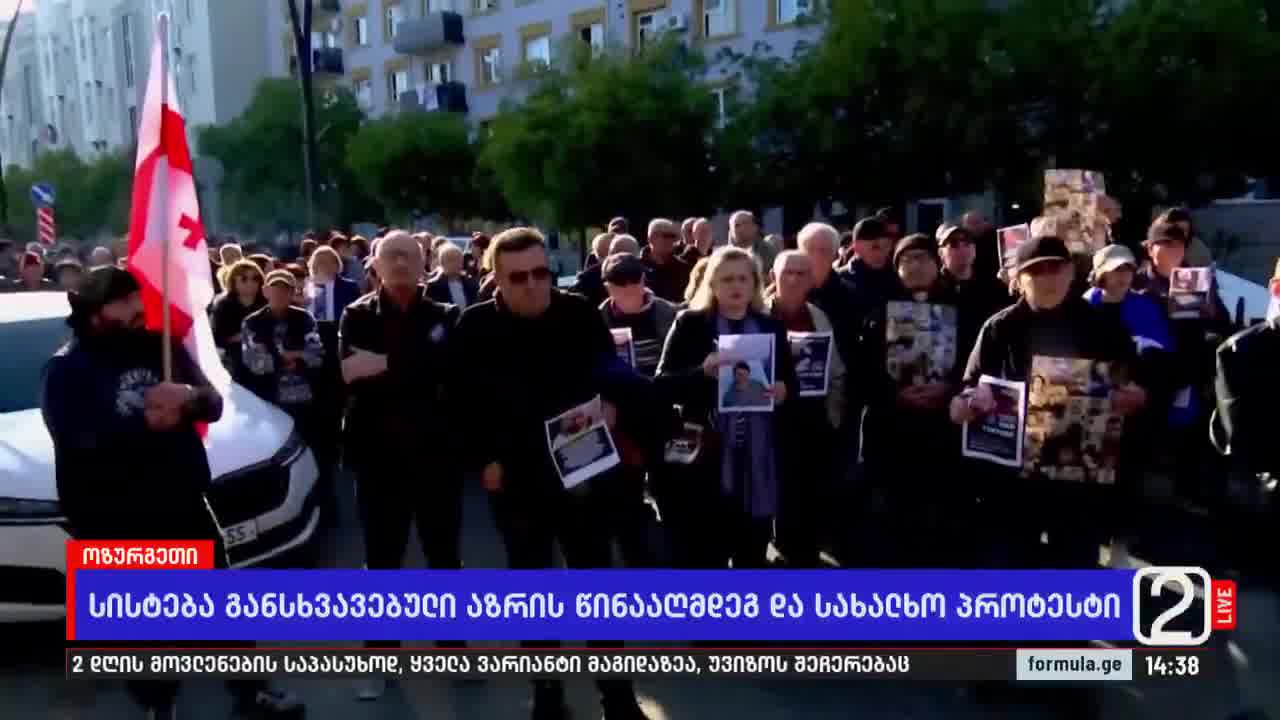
<point x="409" y="347"/>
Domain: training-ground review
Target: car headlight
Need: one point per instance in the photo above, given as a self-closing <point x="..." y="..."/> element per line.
<point x="17" y="510"/>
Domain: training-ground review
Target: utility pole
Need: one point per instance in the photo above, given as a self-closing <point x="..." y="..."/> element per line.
<point x="300" y="19"/>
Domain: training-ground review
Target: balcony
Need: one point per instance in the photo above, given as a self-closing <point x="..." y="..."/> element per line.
<point x="446" y="97"/>
<point x="424" y="35"/>
<point x="327" y="7"/>
<point x="324" y="61"/>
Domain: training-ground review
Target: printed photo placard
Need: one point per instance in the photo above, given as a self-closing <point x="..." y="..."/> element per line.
<point x="747" y="373"/>
<point x="1072" y="434"/>
<point x="920" y="342"/>
<point x="997" y="437"/>
<point x="812" y="354"/>
<point x="580" y="443"/>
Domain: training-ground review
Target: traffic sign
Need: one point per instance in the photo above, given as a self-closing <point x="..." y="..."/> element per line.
<point x="42" y="195"/>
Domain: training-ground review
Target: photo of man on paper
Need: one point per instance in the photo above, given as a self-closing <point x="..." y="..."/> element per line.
<point x="744" y="380"/>
<point x="812" y="355"/>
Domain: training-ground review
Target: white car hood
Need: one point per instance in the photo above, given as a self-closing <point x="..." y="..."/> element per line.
<point x="250" y="431"/>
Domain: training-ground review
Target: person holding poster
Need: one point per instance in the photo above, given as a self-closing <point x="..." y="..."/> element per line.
<point x="1036" y="522"/>
<point x="722" y="510"/>
<point x="906" y="371"/>
<point x="977" y="296"/>
<point x="1195" y="339"/>
<point x="810" y="420"/>
<point x="529" y="356"/>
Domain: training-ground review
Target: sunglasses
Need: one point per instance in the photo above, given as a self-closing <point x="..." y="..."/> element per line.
<point x="522" y="277"/>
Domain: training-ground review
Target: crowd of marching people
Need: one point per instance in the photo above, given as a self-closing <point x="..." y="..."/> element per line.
<point x="382" y="349"/>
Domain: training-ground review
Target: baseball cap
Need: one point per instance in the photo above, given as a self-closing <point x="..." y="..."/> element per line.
<point x="623" y="269"/>
<point x="945" y="231"/>
<point x="914" y="241"/>
<point x="1041" y="249"/>
<point x="1112" y="257"/>
<point x="280" y="277"/>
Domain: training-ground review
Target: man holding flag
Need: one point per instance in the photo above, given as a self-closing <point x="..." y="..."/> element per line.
<point x="127" y="401"/>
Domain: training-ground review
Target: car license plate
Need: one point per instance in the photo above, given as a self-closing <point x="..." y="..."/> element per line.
<point x="240" y="534"/>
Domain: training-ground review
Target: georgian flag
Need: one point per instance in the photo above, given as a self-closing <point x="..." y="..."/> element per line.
<point x="165" y="210"/>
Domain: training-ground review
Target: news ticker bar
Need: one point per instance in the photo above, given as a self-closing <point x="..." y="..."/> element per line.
<point x="975" y="665"/>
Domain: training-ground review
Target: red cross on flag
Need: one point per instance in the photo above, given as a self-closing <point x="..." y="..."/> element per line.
<point x="167" y="250"/>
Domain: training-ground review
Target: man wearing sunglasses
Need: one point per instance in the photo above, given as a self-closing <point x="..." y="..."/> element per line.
<point x="670" y="274"/>
<point x="528" y="356"/>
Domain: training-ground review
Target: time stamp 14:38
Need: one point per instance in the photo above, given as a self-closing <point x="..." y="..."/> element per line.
<point x="1160" y="664"/>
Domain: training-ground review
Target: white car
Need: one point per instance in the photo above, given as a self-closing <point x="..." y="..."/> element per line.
<point x="264" y="476"/>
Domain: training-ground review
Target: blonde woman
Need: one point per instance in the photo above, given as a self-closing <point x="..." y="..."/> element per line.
<point x="721" y="509"/>
<point x="242" y="296"/>
<point x="695" y="280"/>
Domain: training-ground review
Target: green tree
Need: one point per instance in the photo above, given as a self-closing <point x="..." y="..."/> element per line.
<point x="92" y="198"/>
<point x="260" y="186"/>
<point x="606" y="135"/>
<point x="415" y="162"/>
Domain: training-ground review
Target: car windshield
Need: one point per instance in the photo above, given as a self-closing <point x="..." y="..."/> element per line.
<point x="27" y="344"/>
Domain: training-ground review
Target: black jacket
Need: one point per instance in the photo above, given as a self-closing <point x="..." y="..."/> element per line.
<point x="118" y="479"/>
<point x="590" y="285"/>
<point x="1248" y="394"/>
<point x="891" y="433"/>
<point x="517" y="373"/>
<point x="438" y="290"/>
<point x="692" y="339"/>
<point x="868" y="289"/>
<point x="226" y="318"/>
<point x="263" y="338"/>
<point x="977" y="299"/>
<point x="411" y="389"/>
<point x="668" y="281"/>
<point x="1194" y="339"/>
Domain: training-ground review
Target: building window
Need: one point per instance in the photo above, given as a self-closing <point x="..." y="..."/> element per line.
<point x="593" y="35"/>
<point x="490" y="66"/>
<point x="28" y="85"/>
<point x="397" y="84"/>
<point x="718" y="18"/>
<point x="88" y="102"/>
<point x="126" y="35"/>
<point x="395" y="16"/>
<point x="537" y="51"/>
<point x="187" y="4"/>
<point x="364" y="93"/>
<point x="439" y="73"/>
<point x="362" y="31"/>
<point x="646" y="28"/>
<point x="84" y="55"/>
<point x="789" y="11"/>
<point x="191" y="72"/>
<point x="434" y="6"/>
<point x="486" y="6"/>
<point x="133" y="124"/>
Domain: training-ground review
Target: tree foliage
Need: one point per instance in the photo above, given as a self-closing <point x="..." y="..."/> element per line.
<point x="92" y="197"/>
<point x="910" y="98"/>
<point x="260" y="151"/>
<point x="416" y="162"/>
<point x="605" y="135"/>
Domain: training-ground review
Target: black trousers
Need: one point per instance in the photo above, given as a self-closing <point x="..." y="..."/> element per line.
<point x="531" y="528"/>
<point x="620" y="494"/>
<point x="389" y="500"/>
<point x="705" y="528"/>
<point x="161" y="694"/>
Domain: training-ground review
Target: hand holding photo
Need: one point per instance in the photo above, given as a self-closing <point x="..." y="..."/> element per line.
<point x="812" y="354"/>
<point x="1190" y="289"/>
<point x="623" y="343"/>
<point x="580" y="444"/>
<point x="746" y="373"/>
<point x="997" y="436"/>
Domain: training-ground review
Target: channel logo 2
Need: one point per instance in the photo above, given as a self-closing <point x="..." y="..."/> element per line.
<point x="1180" y="606"/>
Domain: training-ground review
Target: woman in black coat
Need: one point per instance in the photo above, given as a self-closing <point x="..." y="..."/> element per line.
<point x="720" y="507"/>
<point x="241" y="298"/>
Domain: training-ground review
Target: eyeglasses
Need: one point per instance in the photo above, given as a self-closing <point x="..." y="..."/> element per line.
<point x="522" y="277"/>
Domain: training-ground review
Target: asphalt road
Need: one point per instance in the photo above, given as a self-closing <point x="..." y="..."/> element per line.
<point x="32" y="685"/>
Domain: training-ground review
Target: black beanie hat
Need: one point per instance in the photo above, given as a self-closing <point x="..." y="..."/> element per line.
<point x="100" y="286"/>
<point x="915" y="241"/>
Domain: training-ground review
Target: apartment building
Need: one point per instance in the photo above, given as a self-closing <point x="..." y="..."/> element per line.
<point x="22" y="122"/>
<point x="84" y="65"/>
<point x="463" y="55"/>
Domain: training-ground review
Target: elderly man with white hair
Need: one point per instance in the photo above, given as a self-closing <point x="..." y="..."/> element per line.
<point x="744" y="233"/>
<point x="450" y="285"/>
<point x="808" y="439"/>
<point x="700" y="244"/>
<point x="624" y="244"/>
<point x="589" y="283"/>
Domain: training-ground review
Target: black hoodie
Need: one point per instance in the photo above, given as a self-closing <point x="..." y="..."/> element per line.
<point x="117" y="478"/>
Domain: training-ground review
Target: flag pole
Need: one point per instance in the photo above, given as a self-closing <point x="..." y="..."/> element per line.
<point x="163" y="177"/>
